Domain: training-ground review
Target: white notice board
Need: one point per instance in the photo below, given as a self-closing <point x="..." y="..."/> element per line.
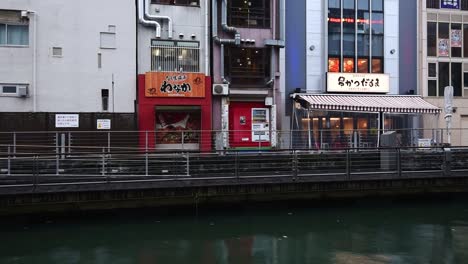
<point x="67" y="120"/>
<point x="103" y="124"/>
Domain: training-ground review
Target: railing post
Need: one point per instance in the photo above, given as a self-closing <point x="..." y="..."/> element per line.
<point x="348" y="165"/>
<point x="108" y="142"/>
<point x="146" y="163"/>
<point x="188" y="164"/>
<point x="146" y="141"/>
<point x="57" y="152"/>
<point x="295" y="165"/>
<point x="9" y="162"/>
<point x="35" y="172"/>
<point x="14" y="143"/>
<point x="447" y="162"/>
<point x="103" y="162"/>
<point x="399" y="162"/>
<point x="69" y="142"/>
<point x="182" y="140"/>
<point x="236" y="165"/>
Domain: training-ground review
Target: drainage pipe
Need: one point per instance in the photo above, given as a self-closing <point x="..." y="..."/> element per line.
<point x="144" y="21"/>
<point x="225" y="26"/>
<point x="214" y="30"/>
<point x="153" y="17"/>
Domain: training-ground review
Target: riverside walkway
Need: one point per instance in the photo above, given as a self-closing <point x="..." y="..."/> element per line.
<point x="82" y="179"/>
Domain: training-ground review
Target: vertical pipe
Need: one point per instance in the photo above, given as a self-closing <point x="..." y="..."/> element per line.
<point x="223" y="79"/>
<point x="207" y="47"/>
<point x="378" y="129"/>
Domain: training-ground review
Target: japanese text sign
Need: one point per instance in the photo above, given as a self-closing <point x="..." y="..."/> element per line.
<point x="358" y="82"/>
<point x="67" y="120"/>
<point x="450" y="4"/>
<point x="174" y="84"/>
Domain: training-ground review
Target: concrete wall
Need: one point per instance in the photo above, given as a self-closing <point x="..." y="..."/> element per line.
<point x="73" y="82"/>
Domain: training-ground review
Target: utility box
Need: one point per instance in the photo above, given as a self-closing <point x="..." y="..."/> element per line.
<point x="388" y="157"/>
<point x="388" y="139"/>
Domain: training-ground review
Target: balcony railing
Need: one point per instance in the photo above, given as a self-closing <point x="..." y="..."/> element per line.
<point x="175" y="59"/>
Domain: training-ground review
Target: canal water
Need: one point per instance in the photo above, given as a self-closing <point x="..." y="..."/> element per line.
<point x="381" y="231"/>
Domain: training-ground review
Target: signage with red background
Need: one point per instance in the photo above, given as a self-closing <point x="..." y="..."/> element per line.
<point x="174" y="84"/>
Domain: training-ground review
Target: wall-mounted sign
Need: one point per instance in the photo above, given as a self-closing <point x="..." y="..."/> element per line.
<point x="444" y="47"/>
<point x="67" y="120"/>
<point x="456" y="38"/>
<point x="174" y="84"/>
<point x="450" y="4"/>
<point x="357" y="82"/>
<point x="103" y="124"/>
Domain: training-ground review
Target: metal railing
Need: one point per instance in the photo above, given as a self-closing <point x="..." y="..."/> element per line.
<point x="28" y="169"/>
<point x="68" y="142"/>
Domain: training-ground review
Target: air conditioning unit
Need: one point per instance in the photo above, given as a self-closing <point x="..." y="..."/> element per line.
<point x="22" y="90"/>
<point x="220" y="89"/>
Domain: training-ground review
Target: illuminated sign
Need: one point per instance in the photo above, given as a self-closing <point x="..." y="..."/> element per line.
<point x="357" y="82"/>
<point x="174" y="84"/>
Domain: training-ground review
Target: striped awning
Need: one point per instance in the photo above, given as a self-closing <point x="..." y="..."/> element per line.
<point x="367" y="103"/>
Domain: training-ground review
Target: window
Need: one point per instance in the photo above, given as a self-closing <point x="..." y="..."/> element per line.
<point x="15" y="35"/>
<point x="247" y="66"/>
<point x="179" y="56"/>
<point x="177" y="2"/>
<point x="432" y="3"/>
<point x="456" y="40"/>
<point x="355" y="41"/>
<point x="7" y="89"/>
<point x="105" y="99"/>
<point x="432" y="39"/>
<point x="249" y="13"/>
<point x="57" y="52"/>
<point x="14" y="90"/>
<point x="432" y="72"/>
<point x="14" y="29"/>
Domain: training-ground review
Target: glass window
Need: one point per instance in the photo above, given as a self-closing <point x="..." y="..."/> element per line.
<point x="334" y="3"/>
<point x="444" y="76"/>
<point x="333" y="65"/>
<point x="465" y="79"/>
<point x="432" y="70"/>
<point x="456" y="40"/>
<point x="432" y="4"/>
<point x="457" y="79"/>
<point x="377" y="65"/>
<point x="377" y="5"/>
<point x="348" y="45"/>
<point x="17" y="35"/>
<point x="175" y="56"/>
<point x="377" y="45"/>
<point x="9" y="89"/>
<point x="348" y="65"/>
<point x="363" y="5"/>
<point x="432" y="88"/>
<point x="444" y="30"/>
<point x="432" y="39"/>
<point x="248" y="66"/>
<point x="377" y="23"/>
<point x="465" y="40"/>
<point x="363" y="65"/>
<point x="249" y="14"/>
<point x="464" y="5"/>
<point x="2" y="34"/>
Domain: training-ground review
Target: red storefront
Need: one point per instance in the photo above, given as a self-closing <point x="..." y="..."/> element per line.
<point x="249" y="124"/>
<point x="174" y="111"/>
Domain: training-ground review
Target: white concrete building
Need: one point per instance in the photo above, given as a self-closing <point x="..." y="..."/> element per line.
<point x="62" y="56"/>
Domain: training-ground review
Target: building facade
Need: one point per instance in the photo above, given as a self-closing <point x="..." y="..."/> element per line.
<point x="174" y="89"/>
<point x="246" y="39"/>
<point x="67" y="64"/>
<point x="361" y="55"/>
<point x="444" y="60"/>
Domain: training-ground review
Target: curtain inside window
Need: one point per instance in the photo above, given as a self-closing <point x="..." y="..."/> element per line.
<point x="17" y="35"/>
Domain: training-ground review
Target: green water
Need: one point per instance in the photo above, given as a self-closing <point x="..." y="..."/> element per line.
<point x="423" y="231"/>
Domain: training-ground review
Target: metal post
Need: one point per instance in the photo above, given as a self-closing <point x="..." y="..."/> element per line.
<point x="146" y="163"/>
<point x="69" y="142"/>
<point x="57" y="162"/>
<point x="399" y="162"/>
<point x="308" y="129"/>
<point x="146" y="141"/>
<point x="108" y="142"/>
<point x="236" y="165"/>
<point x="9" y="163"/>
<point x="183" y="140"/>
<point x="188" y="164"/>
<point x="321" y="137"/>
<point x="14" y="143"/>
<point x="103" y="162"/>
<point x="62" y="145"/>
<point x="295" y="165"/>
<point x="348" y="165"/>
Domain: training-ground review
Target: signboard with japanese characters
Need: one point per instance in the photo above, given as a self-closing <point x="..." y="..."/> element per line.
<point x="174" y="84"/>
<point x="357" y="82"/>
<point x="450" y="4"/>
<point x="67" y="120"/>
<point x="103" y="124"/>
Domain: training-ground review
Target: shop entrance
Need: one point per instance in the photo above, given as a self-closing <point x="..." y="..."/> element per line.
<point x="178" y="127"/>
<point x="249" y="125"/>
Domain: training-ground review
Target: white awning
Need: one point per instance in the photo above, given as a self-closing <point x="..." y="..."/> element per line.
<point x="367" y="103"/>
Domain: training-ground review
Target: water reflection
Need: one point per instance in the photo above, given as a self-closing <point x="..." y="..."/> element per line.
<point x="365" y="234"/>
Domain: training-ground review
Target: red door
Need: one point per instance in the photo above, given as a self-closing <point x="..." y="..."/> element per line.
<point x="240" y="124"/>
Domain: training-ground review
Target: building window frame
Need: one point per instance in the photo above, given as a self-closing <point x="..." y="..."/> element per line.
<point x="193" y="3"/>
<point x="366" y="34"/>
<point x="6" y="36"/>
<point x="175" y="56"/>
<point x="260" y="15"/>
